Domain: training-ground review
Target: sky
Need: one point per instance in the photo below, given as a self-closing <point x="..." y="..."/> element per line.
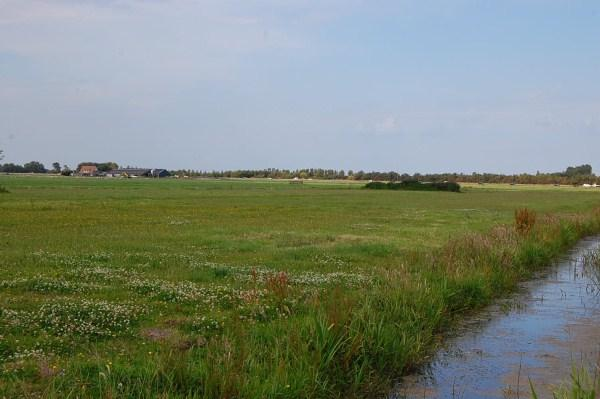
<point x="406" y="85"/>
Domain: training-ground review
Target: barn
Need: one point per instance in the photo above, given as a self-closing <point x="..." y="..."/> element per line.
<point x="138" y="172"/>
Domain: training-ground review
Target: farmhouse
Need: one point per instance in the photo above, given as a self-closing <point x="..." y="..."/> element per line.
<point x="88" y="170"/>
<point x="138" y="172"/>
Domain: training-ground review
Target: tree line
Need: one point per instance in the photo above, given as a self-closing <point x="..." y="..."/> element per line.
<point x="572" y="175"/>
<point x="38" y="167"/>
<point x="29" y="167"/>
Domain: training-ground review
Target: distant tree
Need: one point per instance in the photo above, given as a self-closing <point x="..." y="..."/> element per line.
<point x="56" y="167"/>
<point x="84" y="164"/>
<point x="106" y="166"/>
<point x="578" y="170"/>
<point x="11" y="168"/>
<point x="66" y="171"/>
<point x="34" y="167"/>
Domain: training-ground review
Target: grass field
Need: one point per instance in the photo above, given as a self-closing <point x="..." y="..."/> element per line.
<point x="251" y="288"/>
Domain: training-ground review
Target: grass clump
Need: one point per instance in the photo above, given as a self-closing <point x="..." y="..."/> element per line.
<point x="591" y="268"/>
<point x="524" y="220"/>
<point x="581" y="385"/>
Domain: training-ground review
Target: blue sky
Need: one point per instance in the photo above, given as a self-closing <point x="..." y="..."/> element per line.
<point x="412" y="86"/>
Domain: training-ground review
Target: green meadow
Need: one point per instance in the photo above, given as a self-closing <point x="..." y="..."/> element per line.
<point x="143" y="288"/>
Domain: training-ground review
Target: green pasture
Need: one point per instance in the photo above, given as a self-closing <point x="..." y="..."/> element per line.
<point x="233" y="288"/>
<point x="265" y="221"/>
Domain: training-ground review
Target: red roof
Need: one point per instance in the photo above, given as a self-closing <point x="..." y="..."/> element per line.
<point x="88" y="168"/>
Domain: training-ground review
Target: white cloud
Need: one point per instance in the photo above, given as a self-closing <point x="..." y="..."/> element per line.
<point x="137" y="51"/>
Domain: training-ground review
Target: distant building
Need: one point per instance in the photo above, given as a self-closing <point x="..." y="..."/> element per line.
<point x="138" y="172"/>
<point x="159" y="173"/>
<point x="88" y="170"/>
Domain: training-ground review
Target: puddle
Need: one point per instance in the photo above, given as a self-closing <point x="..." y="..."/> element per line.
<point x="539" y="333"/>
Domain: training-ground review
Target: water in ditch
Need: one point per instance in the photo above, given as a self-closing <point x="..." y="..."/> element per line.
<point x="538" y="334"/>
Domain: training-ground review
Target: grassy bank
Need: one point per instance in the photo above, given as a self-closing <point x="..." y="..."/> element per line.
<point x="251" y="289"/>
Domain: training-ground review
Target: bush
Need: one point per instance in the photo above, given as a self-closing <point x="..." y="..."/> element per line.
<point x="414" y="185"/>
<point x="4" y="190"/>
<point x="377" y="185"/>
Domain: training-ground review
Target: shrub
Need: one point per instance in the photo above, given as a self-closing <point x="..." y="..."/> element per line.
<point x="414" y="185"/>
<point x="376" y="185"/>
<point x="524" y="220"/>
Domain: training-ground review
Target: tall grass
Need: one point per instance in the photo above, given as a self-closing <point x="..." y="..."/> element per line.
<point x="524" y="220"/>
<point x="591" y="267"/>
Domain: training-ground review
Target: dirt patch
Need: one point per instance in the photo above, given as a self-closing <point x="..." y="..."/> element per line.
<point x="48" y="370"/>
<point x="157" y="334"/>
